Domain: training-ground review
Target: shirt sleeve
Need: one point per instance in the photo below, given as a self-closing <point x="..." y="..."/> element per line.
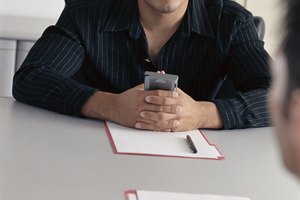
<point x="248" y="68"/>
<point x="47" y="77"/>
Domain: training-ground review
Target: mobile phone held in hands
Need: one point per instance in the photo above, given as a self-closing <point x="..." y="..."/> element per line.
<point x="160" y="81"/>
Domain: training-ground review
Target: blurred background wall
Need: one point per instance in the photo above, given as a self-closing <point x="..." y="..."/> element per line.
<point x="272" y="11"/>
<point x="32" y="8"/>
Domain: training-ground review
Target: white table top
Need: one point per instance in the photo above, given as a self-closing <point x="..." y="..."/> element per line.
<point x="44" y="155"/>
<point x="23" y="28"/>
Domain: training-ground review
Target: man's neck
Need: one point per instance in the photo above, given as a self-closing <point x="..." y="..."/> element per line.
<point x="158" y="25"/>
<point x="156" y="21"/>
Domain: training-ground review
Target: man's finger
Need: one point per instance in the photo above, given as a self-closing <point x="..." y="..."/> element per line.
<point x="157" y="116"/>
<point x="161" y="93"/>
<point x="160" y="100"/>
<point x="157" y="126"/>
<point x="175" y="109"/>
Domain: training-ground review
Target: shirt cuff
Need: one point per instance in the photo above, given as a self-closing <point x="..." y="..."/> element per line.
<point x="228" y="113"/>
<point x="77" y="99"/>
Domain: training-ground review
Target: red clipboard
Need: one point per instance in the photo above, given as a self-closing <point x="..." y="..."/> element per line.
<point x="221" y="157"/>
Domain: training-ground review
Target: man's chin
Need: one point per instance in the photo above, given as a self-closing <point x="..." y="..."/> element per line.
<point x="166" y="9"/>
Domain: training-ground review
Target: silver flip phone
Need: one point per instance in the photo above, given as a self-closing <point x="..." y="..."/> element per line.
<point x="158" y="81"/>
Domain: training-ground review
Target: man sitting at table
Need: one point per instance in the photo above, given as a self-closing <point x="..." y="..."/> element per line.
<point x="284" y="97"/>
<point x="92" y="62"/>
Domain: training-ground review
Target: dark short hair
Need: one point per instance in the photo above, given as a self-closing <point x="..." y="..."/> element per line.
<point x="291" y="44"/>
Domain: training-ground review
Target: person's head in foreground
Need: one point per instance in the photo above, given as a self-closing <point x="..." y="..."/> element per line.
<point x="285" y="94"/>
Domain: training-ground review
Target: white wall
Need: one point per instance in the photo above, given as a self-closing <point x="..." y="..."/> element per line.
<point x="32" y="8"/>
<point x="272" y="12"/>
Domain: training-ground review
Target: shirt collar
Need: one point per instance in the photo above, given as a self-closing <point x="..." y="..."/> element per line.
<point x="198" y="19"/>
<point x="125" y="16"/>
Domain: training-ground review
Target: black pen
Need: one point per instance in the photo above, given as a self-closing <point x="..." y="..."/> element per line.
<point x="191" y="144"/>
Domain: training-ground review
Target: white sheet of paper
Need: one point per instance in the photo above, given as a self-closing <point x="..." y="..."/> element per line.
<point x="133" y="141"/>
<point x="155" y="195"/>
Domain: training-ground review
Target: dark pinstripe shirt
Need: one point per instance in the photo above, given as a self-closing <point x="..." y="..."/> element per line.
<point x="101" y="45"/>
